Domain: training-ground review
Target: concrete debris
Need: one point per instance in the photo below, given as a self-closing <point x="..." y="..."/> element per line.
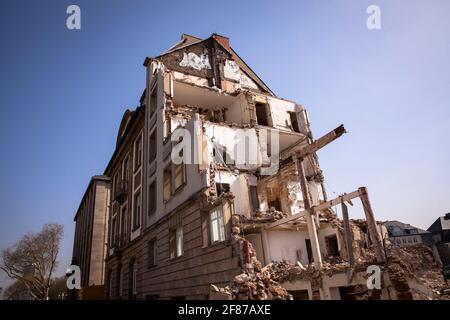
<point x="257" y="286"/>
<point x="415" y="263"/>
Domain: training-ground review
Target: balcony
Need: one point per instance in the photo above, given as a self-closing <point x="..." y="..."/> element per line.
<point x="121" y="191"/>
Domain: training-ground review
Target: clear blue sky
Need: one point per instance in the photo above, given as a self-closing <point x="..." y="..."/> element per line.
<point x="62" y="94"/>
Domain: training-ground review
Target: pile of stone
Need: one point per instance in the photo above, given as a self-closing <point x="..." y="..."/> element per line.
<point x="256" y="286"/>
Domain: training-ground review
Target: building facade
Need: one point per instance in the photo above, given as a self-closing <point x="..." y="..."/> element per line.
<point x="176" y="227"/>
<point x="213" y="176"/>
<point x="89" y="251"/>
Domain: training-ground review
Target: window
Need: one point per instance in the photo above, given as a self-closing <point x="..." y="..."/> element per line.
<point x="332" y="245"/>
<point x="137" y="210"/>
<point x="115" y="183"/>
<point x="254" y="197"/>
<point x="110" y="285"/>
<point x="133" y="277"/>
<point x="179" y="175"/>
<point x="176" y="242"/>
<point x="167" y="183"/>
<point x="167" y="127"/>
<point x="152" y="147"/>
<point x="151" y="258"/>
<point x="221" y="155"/>
<point x="138" y="153"/>
<point x="153" y="102"/>
<point x="217" y="229"/>
<point x="261" y="113"/>
<point x="152" y="198"/>
<point x="294" y="121"/>
<point x="275" y="204"/>
<point x="124" y="222"/>
<point x="222" y="188"/>
<point x="125" y="170"/>
<point x="113" y="231"/>
<point x="120" y="280"/>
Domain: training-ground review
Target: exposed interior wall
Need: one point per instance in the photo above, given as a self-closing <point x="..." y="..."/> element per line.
<point x="288" y="245"/>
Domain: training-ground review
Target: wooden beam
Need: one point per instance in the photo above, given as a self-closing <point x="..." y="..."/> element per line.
<point x="321" y="142"/>
<point x="323" y="206"/>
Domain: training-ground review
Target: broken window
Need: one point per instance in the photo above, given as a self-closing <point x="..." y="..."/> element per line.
<point x="261" y="113"/>
<point x="254" y="197"/>
<point x="294" y="121"/>
<point x="275" y="204"/>
<point x="217" y="228"/>
<point x="176" y="242"/>
<point x="152" y="147"/>
<point x="220" y="155"/>
<point x="137" y="210"/>
<point x="152" y="198"/>
<point x="332" y="245"/>
<point x="167" y="183"/>
<point x="222" y="188"/>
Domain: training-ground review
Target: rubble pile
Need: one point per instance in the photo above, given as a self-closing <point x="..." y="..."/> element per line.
<point x="260" y="217"/>
<point x="415" y="262"/>
<point x="255" y="286"/>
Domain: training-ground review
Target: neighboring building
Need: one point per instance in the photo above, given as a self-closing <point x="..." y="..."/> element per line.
<point x="403" y="234"/>
<point x="89" y="249"/>
<point x="441" y="235"/>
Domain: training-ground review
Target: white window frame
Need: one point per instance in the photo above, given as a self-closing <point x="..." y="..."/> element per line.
<point x="179" y="249"/>
<point x="216" y="225"/>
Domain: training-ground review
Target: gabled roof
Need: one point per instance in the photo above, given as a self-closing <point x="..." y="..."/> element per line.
<point x="404" y="226"/>
<point x="188" y="41"/>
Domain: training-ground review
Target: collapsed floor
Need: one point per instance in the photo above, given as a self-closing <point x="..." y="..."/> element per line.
<point x="408" y="273"/>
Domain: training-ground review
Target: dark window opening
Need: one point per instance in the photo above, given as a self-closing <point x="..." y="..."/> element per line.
<point x="309" y="251"/>
<point x="222" y="188"/>
<point x="261" y="113"/>
<point x="138" y="153"/>
<point x="153" y="102"/>
<point x="294" y="121"/>
<point x="332" y="245"/>
<point x="300" y="294"/>
<point x="275" y="204"/>
<point x="137" y="210"/>
<point x="254" y="197"/>
<point x="152" y="198"/>
<point x="152" y="146"/>
<point x="151" y="258"/>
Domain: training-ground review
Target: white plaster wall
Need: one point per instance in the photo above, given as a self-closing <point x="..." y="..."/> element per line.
<point x="239" y="188"/>
<point x="232" y="139"/>
<point x="234" y="112"/>
<point x="284" y="245"/>
<point x="233" y="72"/>
<point x="279" y="111"/>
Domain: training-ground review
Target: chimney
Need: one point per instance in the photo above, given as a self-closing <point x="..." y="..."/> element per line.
<point x="224" y="41"/>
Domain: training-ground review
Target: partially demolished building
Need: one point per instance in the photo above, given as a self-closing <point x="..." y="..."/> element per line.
<point x="217" y="192"/>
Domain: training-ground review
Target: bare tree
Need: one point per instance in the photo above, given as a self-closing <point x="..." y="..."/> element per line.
<point x="32" y="260"/>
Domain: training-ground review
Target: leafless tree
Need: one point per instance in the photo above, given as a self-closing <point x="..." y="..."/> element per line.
<point x="32" y="260"/>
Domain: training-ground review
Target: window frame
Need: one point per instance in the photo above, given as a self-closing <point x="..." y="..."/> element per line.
<point x="137" y="204"/>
